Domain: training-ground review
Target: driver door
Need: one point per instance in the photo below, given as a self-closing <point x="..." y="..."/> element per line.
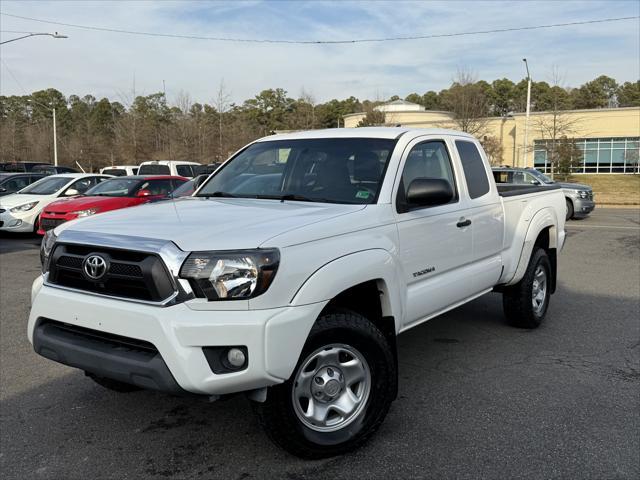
<point x="435" y="242"/>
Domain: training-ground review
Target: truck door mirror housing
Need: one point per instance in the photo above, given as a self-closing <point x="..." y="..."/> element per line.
<point x="429" y="192"/>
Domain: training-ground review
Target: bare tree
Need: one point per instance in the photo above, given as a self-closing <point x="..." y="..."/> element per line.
<point x="493" y="148"/>
<point x="557" y="125"/>
<point x="632" y="157"/>
<point x="468" y="101"/>
<point x="308" y="102"/>
<point x="221" y="104"/>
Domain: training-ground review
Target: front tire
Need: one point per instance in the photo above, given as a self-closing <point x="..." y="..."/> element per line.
<point x="339" y="393"/>
<point x="525" y="304"/>
<point x="570" y="210"/>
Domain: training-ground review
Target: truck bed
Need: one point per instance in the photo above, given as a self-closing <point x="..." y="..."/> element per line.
<point x="512" y="190"/>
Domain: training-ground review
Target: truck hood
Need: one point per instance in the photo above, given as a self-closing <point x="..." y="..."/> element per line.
<point x="82" y="203"/>
<point x="574" y="186"/>
<point x="211" y="224"/>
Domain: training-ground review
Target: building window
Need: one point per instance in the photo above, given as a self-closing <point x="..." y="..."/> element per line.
<point x="600" y="155"/>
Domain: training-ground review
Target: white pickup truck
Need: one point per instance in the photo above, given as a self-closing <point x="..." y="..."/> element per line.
<point x="290" y="272"/>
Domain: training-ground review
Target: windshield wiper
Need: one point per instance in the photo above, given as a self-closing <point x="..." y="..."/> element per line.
<point x="298" y="198"/>
<point x="218" y="194"/>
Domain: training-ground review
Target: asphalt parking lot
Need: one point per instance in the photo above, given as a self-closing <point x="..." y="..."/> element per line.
<point x="478" y="399"/>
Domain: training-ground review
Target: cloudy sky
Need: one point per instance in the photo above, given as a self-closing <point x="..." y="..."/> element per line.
<point x="105" y="64"/>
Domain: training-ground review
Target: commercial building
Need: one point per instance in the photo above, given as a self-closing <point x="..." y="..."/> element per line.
<point x="609" y="137"/>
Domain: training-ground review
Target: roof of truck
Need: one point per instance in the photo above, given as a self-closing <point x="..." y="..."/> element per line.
<point x="363" y="132"/>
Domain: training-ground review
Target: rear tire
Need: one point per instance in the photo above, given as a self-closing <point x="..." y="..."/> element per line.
<point x="569" y="210"/>
<point x="339" y="392"/>
<point x="114" y="385"/>
<point x="525" y="304"/>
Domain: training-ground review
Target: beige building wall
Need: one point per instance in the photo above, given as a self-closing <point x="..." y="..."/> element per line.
<point x="600" y="123"/>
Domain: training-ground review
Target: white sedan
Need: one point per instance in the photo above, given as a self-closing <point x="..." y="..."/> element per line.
<point x="19" y="212"/>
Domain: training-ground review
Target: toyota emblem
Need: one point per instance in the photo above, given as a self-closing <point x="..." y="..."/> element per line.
<point x="95" y="267"/>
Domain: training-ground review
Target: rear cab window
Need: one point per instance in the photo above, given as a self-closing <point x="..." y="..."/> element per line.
<point x="184" y="170"/>
<point x="475" y="172"/>
<point x="154" y="169"/>
<point x="116" y="172"/>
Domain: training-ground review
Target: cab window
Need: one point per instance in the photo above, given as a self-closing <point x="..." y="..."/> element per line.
<point x="474" y="169"/>
<point x="426" y="160"/>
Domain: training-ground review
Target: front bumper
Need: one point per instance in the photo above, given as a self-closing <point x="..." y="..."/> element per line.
<point x="49" y="221"/>
<point x="274" y="338"/>
<point x="17" y="222"/>
<point x="583" y="207"/>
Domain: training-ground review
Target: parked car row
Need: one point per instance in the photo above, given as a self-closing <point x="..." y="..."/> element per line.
<point x="55" y="199"/>
<point x="152" y="167"/>
<point x="19" y="212"/>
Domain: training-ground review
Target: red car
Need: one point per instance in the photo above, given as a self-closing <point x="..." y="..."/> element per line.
<point x="112" y="194"/>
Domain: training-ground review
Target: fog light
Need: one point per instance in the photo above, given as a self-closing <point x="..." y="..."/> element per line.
<point x="236" y="357"/>
<point x="15" y="223"/>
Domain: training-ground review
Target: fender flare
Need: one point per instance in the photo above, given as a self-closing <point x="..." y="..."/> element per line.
<point x="544" y="218"/>
<point x="353" y="269"/>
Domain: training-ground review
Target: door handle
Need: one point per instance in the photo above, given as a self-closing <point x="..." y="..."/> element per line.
<point x="463" y="223"/>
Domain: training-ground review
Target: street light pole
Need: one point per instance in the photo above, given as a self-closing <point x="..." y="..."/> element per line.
<point x="525" y="155"/>
<point x="55" y="140"/>
<point x="54" y="35"/>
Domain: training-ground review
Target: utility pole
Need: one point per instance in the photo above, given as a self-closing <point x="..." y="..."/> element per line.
<point x="55" y="140"/>
<point x="525" y="153"/>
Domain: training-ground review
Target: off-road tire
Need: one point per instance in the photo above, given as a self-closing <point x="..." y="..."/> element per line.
<point x="517" y="299"/>
<point x="114" y="385"/>
<point x="277" y="415"/>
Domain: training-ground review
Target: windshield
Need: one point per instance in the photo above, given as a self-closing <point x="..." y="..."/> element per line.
<point x="117" y="187"/>
<point x="154" y="169"/>
<point x="184" y="190"/>
<point x="333" y="170"/>
<point x="541" y="176"/>
<point x="46" y="186"/>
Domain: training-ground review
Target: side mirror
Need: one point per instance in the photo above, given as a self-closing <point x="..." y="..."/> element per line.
<point x="535" y="182"/>
<point x="143" y="193"/>
<point x="429" y="192"/>
<point x="2" y="189"/>
<point x="71" y="192"/>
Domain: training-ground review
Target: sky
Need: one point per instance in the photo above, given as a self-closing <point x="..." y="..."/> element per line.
<point x="116" y="65"/>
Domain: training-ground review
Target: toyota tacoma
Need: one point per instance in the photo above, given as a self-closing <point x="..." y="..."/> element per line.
<point x="290" y="272"/>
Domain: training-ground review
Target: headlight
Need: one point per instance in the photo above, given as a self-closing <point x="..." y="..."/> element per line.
<point x="86" y="213"/>
<point x="48" y="241"/>
<point x="582" y="193"/>
<point x="231" y="275"/>
<point x="23" y="208"/>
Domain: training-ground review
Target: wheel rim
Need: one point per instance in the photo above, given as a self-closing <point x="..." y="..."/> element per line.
<point x="539" y="289"/>
<point x="331" y="388"/>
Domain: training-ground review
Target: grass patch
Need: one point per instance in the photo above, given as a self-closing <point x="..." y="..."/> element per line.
<point x="612" y="189"/>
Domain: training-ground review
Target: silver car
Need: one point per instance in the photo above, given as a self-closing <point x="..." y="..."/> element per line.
<point x="579" y="197"/>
